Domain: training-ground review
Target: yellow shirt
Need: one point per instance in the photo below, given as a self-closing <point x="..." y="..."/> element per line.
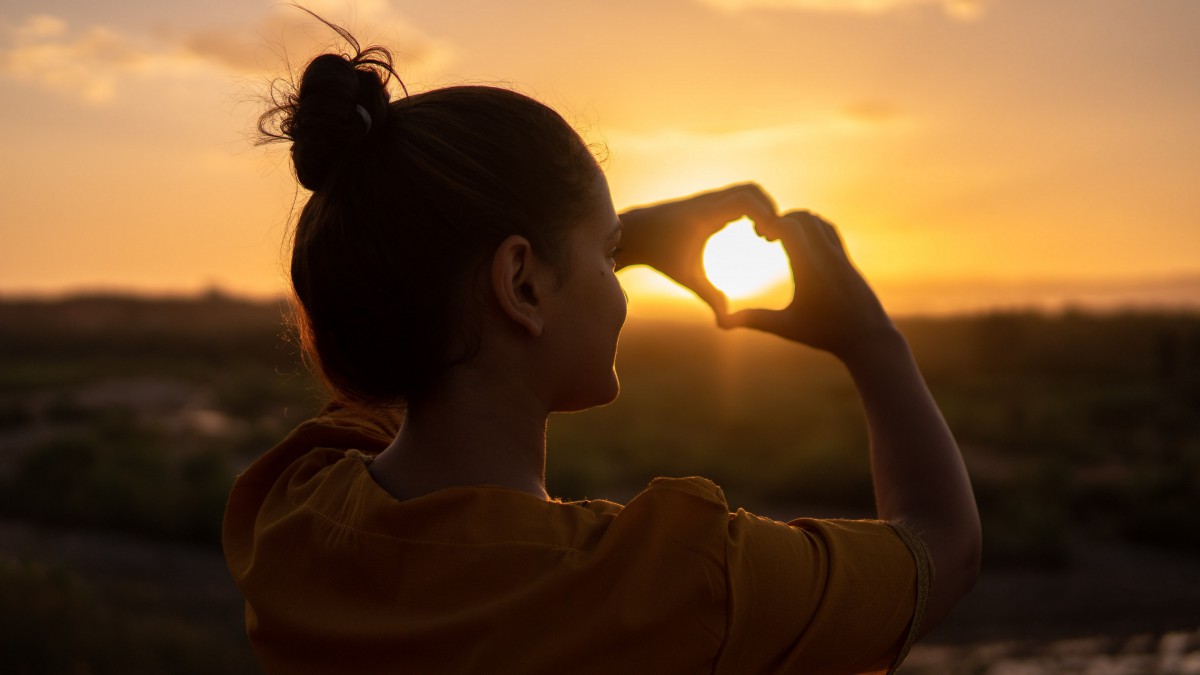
<point x="340" y="577"/>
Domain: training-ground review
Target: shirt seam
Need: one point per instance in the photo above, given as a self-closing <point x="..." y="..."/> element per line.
<point x="728" y="608"/>
<point x="925" y="576"/>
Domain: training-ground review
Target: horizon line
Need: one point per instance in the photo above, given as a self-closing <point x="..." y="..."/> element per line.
<point x="912" y="298"/>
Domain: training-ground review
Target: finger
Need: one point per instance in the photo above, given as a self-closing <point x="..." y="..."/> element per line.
<point x="729" y="204"/>
<point x="812" y="259"/>
<point x="768" y="229"/>
<point x="761" y="205"/>
<point x="799" y="232"/>
<point x="766" y="320"/>
<point x="779" y="229"/>
<point x="711" y="295"/>
<point x="801" y="215"/>
<point x="820" y="237"/>
<point x="831" y="234"/>
<point x="750" y="191"/>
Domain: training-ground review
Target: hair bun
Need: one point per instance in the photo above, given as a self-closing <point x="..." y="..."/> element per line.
<point x="340" y="102"/>
<point x="326" y="122"/>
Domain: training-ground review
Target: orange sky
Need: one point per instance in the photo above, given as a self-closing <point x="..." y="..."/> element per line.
<point x="1009" y="146"/>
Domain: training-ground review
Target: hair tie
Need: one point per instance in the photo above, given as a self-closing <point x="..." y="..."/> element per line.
<point x="365" y="115"/>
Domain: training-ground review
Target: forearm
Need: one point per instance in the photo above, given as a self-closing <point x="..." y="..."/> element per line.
<point x="918" y="472"/>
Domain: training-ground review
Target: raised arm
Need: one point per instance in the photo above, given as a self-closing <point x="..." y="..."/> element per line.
<point x="917" y="470"/>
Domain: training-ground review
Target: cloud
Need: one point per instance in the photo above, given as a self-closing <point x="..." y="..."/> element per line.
<point x="799" y="159"/>
<point x="868" y="119"/>
<point x="87" y="63"/>
<point x="41" y="26"/>
<point x="871" y="112"/>
<point x="91" y="63"/>
<point x="959" y="9"/>
<point x="287" y="35"/>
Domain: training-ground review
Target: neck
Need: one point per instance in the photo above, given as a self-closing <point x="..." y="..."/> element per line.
<point x="474" y="431"/>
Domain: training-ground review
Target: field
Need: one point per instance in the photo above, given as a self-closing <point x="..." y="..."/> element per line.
<point x="123" y="421"/>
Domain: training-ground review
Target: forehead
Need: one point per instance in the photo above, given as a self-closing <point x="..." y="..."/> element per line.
<point x="596" y="221"/>
<point x="601" y="216"/>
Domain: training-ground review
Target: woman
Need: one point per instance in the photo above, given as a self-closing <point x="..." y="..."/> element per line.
<point x="456" y="260"/>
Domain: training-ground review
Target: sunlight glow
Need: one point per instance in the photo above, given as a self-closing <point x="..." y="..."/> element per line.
<point x="742" y="264"/>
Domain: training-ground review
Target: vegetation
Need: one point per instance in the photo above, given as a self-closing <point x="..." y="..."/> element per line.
<point x="1072" y="425"/>
<point x="53" y="622"/>
<point x="134" y="414"/>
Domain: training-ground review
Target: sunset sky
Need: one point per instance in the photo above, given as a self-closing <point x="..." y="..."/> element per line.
<point x="992" y="145"/>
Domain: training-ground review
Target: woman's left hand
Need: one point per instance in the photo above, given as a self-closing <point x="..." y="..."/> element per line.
<point x="670" y="236"/>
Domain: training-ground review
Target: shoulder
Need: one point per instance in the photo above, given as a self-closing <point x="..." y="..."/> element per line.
<point x="345" y="426"/>
<point x="337" y="427"/>
<point x="693" y="504"/>
<point x="695" y="486"/>
<point x="311" y="447"/>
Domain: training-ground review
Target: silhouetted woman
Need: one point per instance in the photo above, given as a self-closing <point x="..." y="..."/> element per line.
<point x="456" y="261"/>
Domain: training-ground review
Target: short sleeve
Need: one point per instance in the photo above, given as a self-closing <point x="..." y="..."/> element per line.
<point x="821" y="596"/>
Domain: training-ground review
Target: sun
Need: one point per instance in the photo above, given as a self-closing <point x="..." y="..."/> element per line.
<point x="744" y="265"/>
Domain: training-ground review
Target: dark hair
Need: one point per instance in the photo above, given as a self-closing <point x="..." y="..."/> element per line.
<point x="409" y="199"/>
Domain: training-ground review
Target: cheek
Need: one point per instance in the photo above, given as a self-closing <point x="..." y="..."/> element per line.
<point x="617" y="298"/>
<point x="623" y="301"/>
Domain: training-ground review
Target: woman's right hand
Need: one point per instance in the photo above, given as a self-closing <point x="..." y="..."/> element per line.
<point x="832" y="307"/>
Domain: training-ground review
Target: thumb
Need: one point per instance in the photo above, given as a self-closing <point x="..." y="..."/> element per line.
<point x="712" y="296"/>
<point x="766" y="320"/>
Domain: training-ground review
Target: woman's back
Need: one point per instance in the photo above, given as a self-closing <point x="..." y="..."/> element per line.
<point x="339" y="576"/>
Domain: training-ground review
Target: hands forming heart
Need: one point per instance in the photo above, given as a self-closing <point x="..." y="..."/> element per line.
<point x="832" y="306"/>
<point x="670" y="236"/>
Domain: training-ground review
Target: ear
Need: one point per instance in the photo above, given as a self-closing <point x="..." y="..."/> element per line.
<point x="517" y="283"/>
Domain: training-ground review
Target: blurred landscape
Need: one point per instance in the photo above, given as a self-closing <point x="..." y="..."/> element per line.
<point x="123" y="421"/>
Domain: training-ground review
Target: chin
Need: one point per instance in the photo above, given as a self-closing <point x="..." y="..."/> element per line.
<point x="600" y="395"/>
<point x="614" y="390"/>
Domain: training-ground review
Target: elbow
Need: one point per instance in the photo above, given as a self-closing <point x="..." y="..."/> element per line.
<point x="962" y="563"/>
<point x="955" y="545"/>
<point x="963" y="554"/>
<point x="957" y="553"/>
<point x="970" y="560"/>
<point x="974" y="543"/>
